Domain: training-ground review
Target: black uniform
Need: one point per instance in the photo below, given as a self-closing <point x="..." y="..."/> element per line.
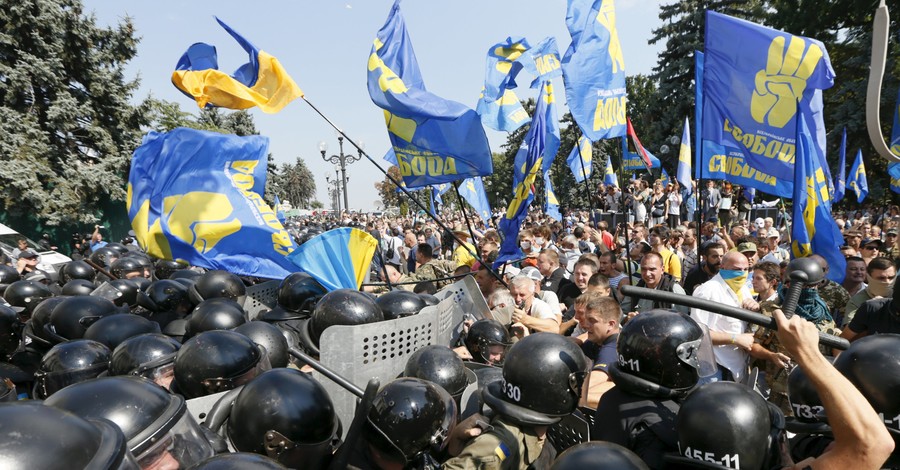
<point x="646" y="426"/>
<point x="875" y="316"/>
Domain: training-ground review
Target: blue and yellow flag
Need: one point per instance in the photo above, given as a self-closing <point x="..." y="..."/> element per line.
<point x="552" y="139"/>
<point x="338" y="259"/>
<point x="840" y="183"/>
<point x="664" y="177"/>
<point x="261" y="82"/>
<point x="814" y="230"/>
<point x="279" y="214"/>
<point x="197" y="196"/>
<point x="632" y="161"/>
<point x="526" y="167"/>
<point x="551" y="203"/>
<point x="594" y="69"/>
<point x="894" y="173"/>
<point x="580" y="159"/>
<point x="435" y="140"/>
<point x="609" y="176"/>
<point x="472" y="190"/>
<point x="543" y="61"/>
<point x="498" y="106"/>
<point x="683" y="172"/>
<point x="753" y="78"/>
<point x="858" y="182"/>
<point x="436" y="192"/>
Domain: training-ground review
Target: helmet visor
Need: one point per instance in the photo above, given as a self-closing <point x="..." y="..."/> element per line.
<point x="182" y="446"/>
<point x="108" y="292"/>
<point x="222" y="384"/>
<point x="48" y="383"/>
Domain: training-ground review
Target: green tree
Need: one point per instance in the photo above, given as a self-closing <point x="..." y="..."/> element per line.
<point x="67" y="122"/>
<point x="295" y="183"/>
<point x="387" y="190"/>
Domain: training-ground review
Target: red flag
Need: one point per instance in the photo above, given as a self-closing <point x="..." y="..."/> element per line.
<point x="638" y="146"/>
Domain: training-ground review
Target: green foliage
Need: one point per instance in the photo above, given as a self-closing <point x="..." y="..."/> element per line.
<point x="294" y="183"/>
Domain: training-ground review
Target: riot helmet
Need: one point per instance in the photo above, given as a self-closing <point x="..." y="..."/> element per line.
<point x="112" y="330"/>
<point x="150" y="355"/>
<point x="298" y="294"/>
<point x="286" y="415"/>
<point x="542" y="380"/>
<point x="38" y="436"/>
<point x="71" y="318"/>
<point x="218" y="283"/>
<point x="599" y="456"/>
<point x="26" y="294"/>
<point x="723" y="425"/>
<point x="117" y="247"/>
<point x="78" y="287"/>
<point x="105" y="257"/>
<point x="165" y="296"/>
<point x="10" y="331"/>
<point x="215" y="361"/>
<point x="269" y="337"/>
<point x="338" y="307"/>
<point x="158" y="428"/>
<point x="126" y="267"/>
<point x="805" y="403"/>
<point x="68" y="363"/>
<point x="429" y="299"/>
<point x="215" y="314"/>
<point x="400" y="303"/>
<point x="186" y="276"/>
<point x="34" y="329"/>
<point x="165" y="267"/>
<point x="487" y="341"/>
<point x="8" y="275"/>
<point x="176" y="329"/>
<point x="76" y="270"/>
<point x="121" y="292"/>
<point x="410" y="419"/>
<point x="238" y="461"/>
<point x="659" y="354"/>
<point x="440" y="365"/>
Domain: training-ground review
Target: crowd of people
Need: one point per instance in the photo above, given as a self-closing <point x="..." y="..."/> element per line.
<point x="657" y="384"/>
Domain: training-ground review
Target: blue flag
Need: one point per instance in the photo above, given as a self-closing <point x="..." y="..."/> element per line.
<point x="436" y="192"/>
<point x="498" y="106"/>
<point x="552" y="203"/>
<point x="840" y="183"/>
<point x="544" y="61"/>
<point x="894" y="173"/>
<point x="580" y="159"/>
<point x="594" y="69"/>
<point x="435" y="140"/>
<point x="698" y="111"/>
<point x="664" y="177"/>
<point x="858" y="182"/>
<point x="683" y="172"/>
<point x="609" y="176"/>
<point x="753" y="78"/>
<point x="279" y="214"/>
<point x="633" y="161"/>
<point x="526" y="167"/>
<point x="551" y="140"/>
<point x="814" y="230"/>
<point x="472" y="190"/>
<point x="197" y="196"/>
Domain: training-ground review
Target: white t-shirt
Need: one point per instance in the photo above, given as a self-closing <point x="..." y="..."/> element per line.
<point x="551" y="299"/>
<point x="732" y="357"/>
<point x="541" y="309"/>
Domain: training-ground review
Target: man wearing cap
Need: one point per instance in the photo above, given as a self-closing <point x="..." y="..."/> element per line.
<point x="776" y="254"/>
<point x="462" y="254"/>
<point x="854" y="238"/>
<point x="870" y="249"/>
<point x="27" y="262"/>
<point x="891" y="249"/>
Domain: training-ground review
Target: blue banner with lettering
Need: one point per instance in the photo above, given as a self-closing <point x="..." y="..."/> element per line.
<point x="544" y="61"/>
<point x="633" y="162"/>
<point x="472" y="190"/>
<point x="753" y="78"/>
<point x="499" y="106"/>
<point x="435" y="140"/>
<point x="594" y="69"/>
<point x="580" y="159"/>
<point x="552" y="139"/>
<point x="197" y="196"/>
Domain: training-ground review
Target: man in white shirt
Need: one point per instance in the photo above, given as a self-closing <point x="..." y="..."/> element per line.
<point x="533" y="313"/>
<point x="776" y="254"/>
<point x="731" y="336"/>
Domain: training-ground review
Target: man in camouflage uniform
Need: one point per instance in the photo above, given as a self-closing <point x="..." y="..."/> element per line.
<point x="429" y="269"/>
<point x="834" y="294"/>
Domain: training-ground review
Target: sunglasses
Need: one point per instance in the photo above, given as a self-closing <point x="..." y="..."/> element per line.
<point x="870" y="248"/>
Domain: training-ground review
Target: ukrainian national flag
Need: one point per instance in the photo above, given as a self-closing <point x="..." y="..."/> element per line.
<point x="338" y="259"/>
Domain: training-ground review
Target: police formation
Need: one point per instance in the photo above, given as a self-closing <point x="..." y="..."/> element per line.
<point x="101" y="360"/>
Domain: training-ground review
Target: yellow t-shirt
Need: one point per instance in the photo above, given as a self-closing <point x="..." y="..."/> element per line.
<point x="462" y="256"/>
<point x="671" y="263"/>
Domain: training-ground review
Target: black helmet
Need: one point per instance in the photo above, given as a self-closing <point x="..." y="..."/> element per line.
<point x="68" y="363"/>
<point x="286" y="415"/>
<point x="400" y="303"/>
<point x="270" y="337"/>
<point x="482" y="335"/>
<point x="76" y="270"/>
<point x="118" y="247"/>
<point x="125" y="266"/>
<point x="218" y="283"/>
<point x="215" y="361"/>
<point x="730" y="423"/>
<point x="8" y="275"/>
<point x="339" y="307"/>
<point x="71" y="318"/>
<point x="34" y="329"/>
<point x="410" y="418"/>
<point x="10" y="332"/>
<point x="238" y="461"/>
<point x="176" y="329"/>
<point x="150" y="355"/>
<point x="112" y="330"/>
<point x="187" y="275"/>
<point x="129" y="289"/>
<point x="166" y="296"/>
<point x="165" y="267"/>
<point x="215" y="314"/>
<point x="542" y="379"/>
<point x="429" y="299"/>
<point x="155" y="422"/>
<point x="439" y="364"/>
<point x="78" y="287"/>
<point x="26" y="294"/>
<point x="599" y="456"/>
<point x="806" y="404"/>
<point x="658" y="354"/>
<point x="105" y="256"/>
<point x="298" y="294"/>
<point x="38" y="436"/>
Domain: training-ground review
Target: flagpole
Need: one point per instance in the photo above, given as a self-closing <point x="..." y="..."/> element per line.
<point x="462" y="208"/>
<point x="405" y="190"/>
<point x="624" y="214"/>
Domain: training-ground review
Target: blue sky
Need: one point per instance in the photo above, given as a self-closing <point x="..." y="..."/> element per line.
<point x="324" y="45"/>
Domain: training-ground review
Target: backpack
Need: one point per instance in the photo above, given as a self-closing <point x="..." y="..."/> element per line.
<point x="391" y="252"/>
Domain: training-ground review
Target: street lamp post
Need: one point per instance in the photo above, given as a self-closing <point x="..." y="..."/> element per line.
<point x="343" y="160"/>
